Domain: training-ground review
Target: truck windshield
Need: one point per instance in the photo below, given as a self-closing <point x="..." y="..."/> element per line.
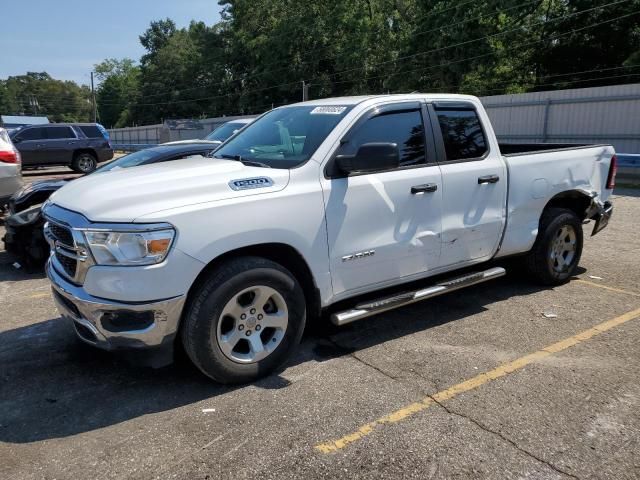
<point x="284" y="138"/>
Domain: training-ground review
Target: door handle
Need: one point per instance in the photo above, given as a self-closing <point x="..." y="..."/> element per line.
<point x="424" y="188"/>
<point x="488" y="179"/>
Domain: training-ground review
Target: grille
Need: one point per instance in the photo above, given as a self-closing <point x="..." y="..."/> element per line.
<point x="62" y="234"/>
<point x="69" y="264"/>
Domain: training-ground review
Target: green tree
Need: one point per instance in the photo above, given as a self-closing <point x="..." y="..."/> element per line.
<point x="156" y="37"/>
<point x="182" y="77"/>
<point x="38" y="93"/>
<point x="119" y="83"/>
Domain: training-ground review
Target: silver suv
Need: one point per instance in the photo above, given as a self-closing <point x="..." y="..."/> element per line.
<point x="10" y="173"/>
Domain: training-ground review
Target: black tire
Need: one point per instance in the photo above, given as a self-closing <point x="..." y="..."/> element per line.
<point x="84" y="162"/>
<point x="199" y="331"/>
<point x="539" y="261"/>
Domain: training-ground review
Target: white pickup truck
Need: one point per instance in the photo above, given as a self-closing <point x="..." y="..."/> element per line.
<point x="303" y="212"/>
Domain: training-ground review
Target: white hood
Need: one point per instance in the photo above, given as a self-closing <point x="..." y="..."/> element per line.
<point x="126" y="194"/>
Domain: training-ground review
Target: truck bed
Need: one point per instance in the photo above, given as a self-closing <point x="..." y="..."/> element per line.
<point x="538" y="174"/>
<point x="513" y="149"/>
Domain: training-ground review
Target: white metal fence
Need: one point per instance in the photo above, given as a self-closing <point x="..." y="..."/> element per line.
<point x="584" y="115"/>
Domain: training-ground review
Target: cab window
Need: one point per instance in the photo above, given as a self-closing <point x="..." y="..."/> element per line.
<point x="404" y="128"/>
<point x="462" y="133"/>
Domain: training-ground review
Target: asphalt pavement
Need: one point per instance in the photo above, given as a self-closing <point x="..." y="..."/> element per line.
<point x="502" y="380"/>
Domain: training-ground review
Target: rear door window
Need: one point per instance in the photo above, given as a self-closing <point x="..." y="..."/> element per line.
<point x="57" y="133"/>
<point x="462" y="133"/>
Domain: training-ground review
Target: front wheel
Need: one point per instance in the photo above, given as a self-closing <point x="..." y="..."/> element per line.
<point x="556" y="252"/>
<point x="244" y="321"/>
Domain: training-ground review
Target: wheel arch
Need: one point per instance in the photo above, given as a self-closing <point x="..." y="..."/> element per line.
<point x="577" y="201"/>
<point x="280" y="253"/>
<point x="84" y="150"/>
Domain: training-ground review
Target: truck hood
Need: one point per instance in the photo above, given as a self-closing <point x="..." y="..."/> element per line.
<point x="126" y="194"/>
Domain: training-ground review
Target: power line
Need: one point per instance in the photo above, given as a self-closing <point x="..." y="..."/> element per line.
<point x="475" y="57"/>
<point x="594" y="79"/>
<point x="466" y="42"/>
<point x="431" y="13"/>
<point x="170" y="102"/>
<point x="242" y="93"/>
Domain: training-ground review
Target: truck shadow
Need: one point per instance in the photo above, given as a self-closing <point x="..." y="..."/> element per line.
<point x="13" y="269"/>
<point x="52" y="386"/>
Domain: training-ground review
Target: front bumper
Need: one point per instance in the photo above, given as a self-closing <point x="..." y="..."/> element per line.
<point x="92" y="317"/>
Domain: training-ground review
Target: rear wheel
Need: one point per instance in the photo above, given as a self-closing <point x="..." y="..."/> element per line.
<point x="84" y="162"/>
<point x="558" y="247"/>
<point x="244" y="321"/>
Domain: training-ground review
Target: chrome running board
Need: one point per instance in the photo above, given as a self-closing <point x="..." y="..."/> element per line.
<point x="378" y="306"/>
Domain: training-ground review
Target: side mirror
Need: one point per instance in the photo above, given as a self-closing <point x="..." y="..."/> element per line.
<point x="16" y="140"/>
<point x="371" y="157"/>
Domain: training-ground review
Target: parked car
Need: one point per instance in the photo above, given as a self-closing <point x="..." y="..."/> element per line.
<point x="24" y="236"/>
<point x="80" y="146"/>
<point x="10" y="173"/>
<point x="227" y="130"/>
<point x="307" y="209"/>
<point x="222" y="133"/>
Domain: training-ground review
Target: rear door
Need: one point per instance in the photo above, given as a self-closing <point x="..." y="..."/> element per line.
<point x="385" y="226"/>
<point x="474" y="183"/>
<point x="60" y="145"/>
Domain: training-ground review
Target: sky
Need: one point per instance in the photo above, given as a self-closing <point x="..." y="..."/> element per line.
<point x="65" y="38"/>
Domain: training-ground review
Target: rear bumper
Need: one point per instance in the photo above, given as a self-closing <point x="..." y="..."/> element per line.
<point x="105" y="154"/>
<point x="599" y="211"/>
<point x="8" y="186"/>
<point x="92" y="317"/>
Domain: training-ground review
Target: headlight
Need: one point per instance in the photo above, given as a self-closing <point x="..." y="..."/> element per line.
<point x="129" y="248"/>
<point x="27" y="216"/>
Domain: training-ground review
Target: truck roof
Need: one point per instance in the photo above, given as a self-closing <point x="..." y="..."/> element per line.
<point x="399" y="96"/>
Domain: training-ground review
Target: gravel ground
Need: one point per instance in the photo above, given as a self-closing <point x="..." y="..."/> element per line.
<point x="385" y="394"/>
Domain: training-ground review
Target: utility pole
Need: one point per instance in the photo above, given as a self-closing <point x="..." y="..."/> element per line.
<point x="33" y="101"/>
<point x="93" y="101"/>
<point x="305" y="91"/>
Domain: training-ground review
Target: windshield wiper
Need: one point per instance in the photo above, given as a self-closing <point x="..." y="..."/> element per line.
<point x="244" y="161"/>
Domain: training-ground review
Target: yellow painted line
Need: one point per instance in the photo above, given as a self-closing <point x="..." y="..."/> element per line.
<point x="40" y="295"/>
<point x="599" y="285"/>
<point x="475" y="382"/>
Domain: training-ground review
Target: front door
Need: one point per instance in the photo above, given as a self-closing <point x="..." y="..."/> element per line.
<point x="31" y="143"/>
<point x="474" y="184"/>
<point x="385" y="226"/>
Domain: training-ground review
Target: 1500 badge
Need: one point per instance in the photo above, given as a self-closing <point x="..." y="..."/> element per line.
<point x="359" y="255"/>
<point x="248" y="183"/>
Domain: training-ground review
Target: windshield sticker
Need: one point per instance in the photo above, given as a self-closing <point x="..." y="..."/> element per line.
<point x="328" y="110"/>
